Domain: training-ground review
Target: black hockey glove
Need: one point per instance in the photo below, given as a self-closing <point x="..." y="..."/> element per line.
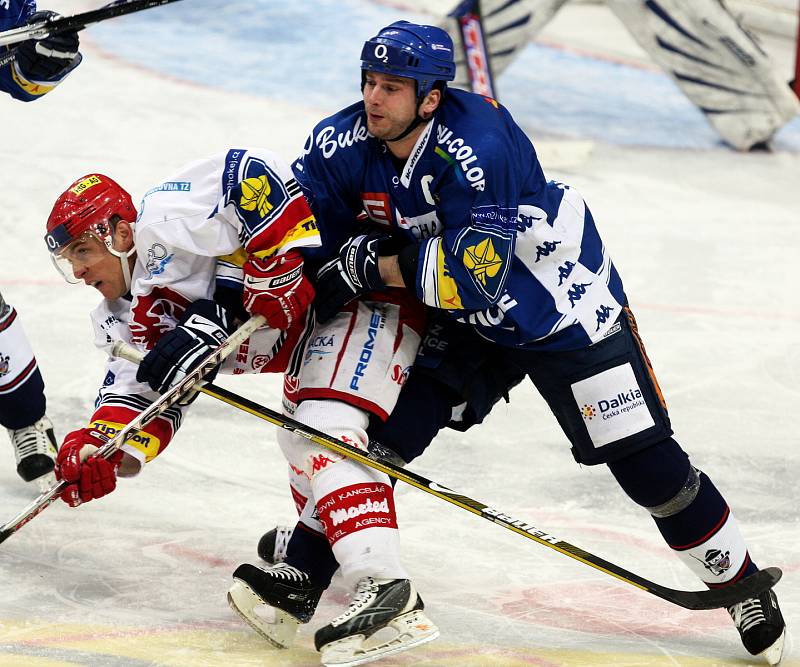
<point x="45" y="59"/>
<point x="352" y="273"/>
<point x="203" y="327"/>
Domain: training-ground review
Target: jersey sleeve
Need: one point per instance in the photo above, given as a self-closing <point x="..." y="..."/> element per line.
<point x="466" y="268"/>
<point x="327" y="173"/>
<point x="265" y="204"/>
<point x="121" y="398"/>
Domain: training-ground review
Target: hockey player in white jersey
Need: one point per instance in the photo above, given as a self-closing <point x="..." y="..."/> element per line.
<point x="158" y="271"/>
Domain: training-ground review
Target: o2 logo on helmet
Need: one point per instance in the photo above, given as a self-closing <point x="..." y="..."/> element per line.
<point x="381" y="53"/>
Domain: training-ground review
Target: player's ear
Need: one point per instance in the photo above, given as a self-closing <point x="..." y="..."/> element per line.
<point x="430" y="103"/>
<point x="123" y="235"/>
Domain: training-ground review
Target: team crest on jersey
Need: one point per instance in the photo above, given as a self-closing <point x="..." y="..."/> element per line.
<point x="5" y="364"/>
<point x="259" y="197"/>
<point x="157" y="260"/>
<point x="487" y="258"/>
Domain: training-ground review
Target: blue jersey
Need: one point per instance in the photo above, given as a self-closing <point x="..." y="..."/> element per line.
<point x="14" y="13"/>
<point x="499" y="246"/>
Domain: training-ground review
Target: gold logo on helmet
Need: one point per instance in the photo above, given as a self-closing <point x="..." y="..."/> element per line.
<point x="254" y="195"/>
<point x="85" y="184"/>
<point x="482" y="260"/>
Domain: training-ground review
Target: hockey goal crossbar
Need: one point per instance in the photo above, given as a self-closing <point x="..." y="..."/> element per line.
<point x="379" y="457"/>
<point x="168" y="399"/>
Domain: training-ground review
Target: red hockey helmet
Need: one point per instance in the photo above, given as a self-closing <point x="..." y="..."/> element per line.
<point x="84" y="210"/>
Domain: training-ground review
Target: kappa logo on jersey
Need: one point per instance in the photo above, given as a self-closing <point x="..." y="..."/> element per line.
<point x="576" y="292"/>
<point x="157" y="260"/>
<point x="564" y="271"/>
<point x="545" y="249"/>
<point x="457" y="153"/>
<point x="528" y="216"/>
<point x="5" y="364"/>
<point x="603" y="313"/>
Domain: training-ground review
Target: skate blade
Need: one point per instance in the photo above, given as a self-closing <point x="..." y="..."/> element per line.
<point x="413" y="629"/>
<point x="279" y="632"/>
<point x="774" y="653"/>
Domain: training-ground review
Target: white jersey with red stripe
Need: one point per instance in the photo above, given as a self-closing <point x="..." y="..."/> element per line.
<point x="243" y="201"/>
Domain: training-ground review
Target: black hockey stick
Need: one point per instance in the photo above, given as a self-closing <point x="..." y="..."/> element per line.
<point x="42" y="29"/>
<point x="44" y="500"/>
<point x="378" y="456"/>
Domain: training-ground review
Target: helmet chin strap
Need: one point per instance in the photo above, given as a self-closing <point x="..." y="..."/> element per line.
<point x="413" y="125"/>
<point x="126" y="268"/>
<point x="124" y="255"/>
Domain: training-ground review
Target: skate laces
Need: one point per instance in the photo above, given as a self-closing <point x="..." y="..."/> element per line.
<point x="747" y="614"/>
<point x="282" y="536"/>
<point x="366" y="590"/>
<point x="288" y="572"/>
<point x="32" y="440"/>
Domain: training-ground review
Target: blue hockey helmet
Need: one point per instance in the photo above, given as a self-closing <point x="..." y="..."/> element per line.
<point x="420" y="52"/>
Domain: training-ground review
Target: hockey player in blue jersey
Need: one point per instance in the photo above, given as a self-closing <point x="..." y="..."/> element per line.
<point x="39" y="65"/>
<point x="461" y="215"/>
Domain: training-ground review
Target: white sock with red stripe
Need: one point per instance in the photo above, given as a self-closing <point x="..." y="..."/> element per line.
<point x="356" y="508"/>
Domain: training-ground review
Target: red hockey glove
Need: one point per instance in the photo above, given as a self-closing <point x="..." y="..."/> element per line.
<point x="90" y="476"/>
<point x="277" y="289"/>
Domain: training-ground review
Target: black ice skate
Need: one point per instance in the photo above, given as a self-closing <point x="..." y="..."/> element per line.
<point x="273" y="544"/>
<point x="274" y="600"/>
<point x="354" y="638"/>
<point x="35" y="451"/>
<point x="760" y="625"/>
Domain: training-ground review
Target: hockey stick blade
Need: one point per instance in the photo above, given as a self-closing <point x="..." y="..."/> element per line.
<point x="42" y="29"/>
<point x="168" y="399"/>
<point x="375" y="457"/>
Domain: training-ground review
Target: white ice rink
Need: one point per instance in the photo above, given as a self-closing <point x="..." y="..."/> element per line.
<point x="705" y="239"/>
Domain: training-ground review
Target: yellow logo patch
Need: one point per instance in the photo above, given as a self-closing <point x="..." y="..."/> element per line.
<point x="146" y="443"/>
<point x="254" y="195"/>
<point x="483" y="261"/>
<point x="85" y="184"/>
<point x="447" y="288"/>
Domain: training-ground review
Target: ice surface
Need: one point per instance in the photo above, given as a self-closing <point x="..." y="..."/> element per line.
<point x="706" y="240"/>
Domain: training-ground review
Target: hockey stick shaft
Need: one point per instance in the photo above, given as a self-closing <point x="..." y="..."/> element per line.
<point x="168" y="399"/>
<point x="706" y="599"/>
<point x="43" y="29"/>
